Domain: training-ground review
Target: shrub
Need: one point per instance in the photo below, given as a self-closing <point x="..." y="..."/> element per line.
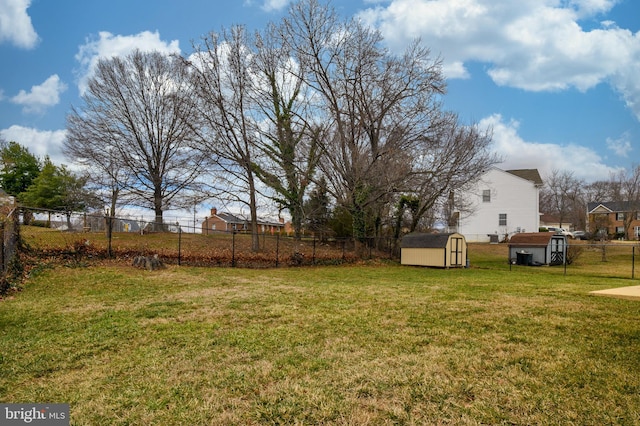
<point x="296" y="259"/>
<point x="573" y="253"/>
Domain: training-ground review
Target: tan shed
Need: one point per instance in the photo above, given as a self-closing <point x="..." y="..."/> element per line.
<point x="438" y="250"/>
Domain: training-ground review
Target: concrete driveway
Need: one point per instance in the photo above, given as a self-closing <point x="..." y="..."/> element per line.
<point x="632" y="292"/>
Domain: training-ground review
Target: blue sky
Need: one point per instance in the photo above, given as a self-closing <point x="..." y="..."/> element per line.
<point x="558" y="81"/>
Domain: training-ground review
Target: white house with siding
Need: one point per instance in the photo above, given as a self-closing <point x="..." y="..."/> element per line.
<point x="500" y="203"/>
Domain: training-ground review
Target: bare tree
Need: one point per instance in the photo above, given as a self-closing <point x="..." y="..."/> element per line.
<point x="448" y="157"/>
<point x="600" y="191"/>
<point x="562" y="195"/>
<point x="629" y="184"/>
<point x="134" y="129"/>
<point x="221" y="70"/>
<point x="288" y="142"/>
<point x="377" y="105"/>
<point x="106" y="172"/>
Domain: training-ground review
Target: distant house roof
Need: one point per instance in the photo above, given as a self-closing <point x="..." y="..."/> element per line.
<point x="229" y="218"/>
<point x="529" y="174"/>
<point x="614" y="206"/>
<point x="549" y="218"/>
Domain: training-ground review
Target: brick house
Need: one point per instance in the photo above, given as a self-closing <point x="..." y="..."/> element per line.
<point x="227" y="222"/>
<point x="617" y="218"/>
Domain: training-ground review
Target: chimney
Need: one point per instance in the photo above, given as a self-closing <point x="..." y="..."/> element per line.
<point x="214" y="211"/>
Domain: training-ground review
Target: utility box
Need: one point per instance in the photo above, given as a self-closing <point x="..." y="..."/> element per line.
<point x="524" y="258"/>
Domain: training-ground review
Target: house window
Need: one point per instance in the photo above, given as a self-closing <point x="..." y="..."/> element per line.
<point x="213" y="226"/>
<point x="486" y="196"/>
<point x="619" y="216"/>
<point x="619" y="229"/>
<point x="502" y="219"/>
<point x="636" y="232"/>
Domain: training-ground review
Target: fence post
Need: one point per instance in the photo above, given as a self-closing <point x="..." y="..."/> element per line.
<point x="277" y="249"/>
<point x="313" y="256"/>
<point x="633" y="262"/>
<point x="233" y="249"/>
<point x="109" y="220"/>
<point x="2" y="262"/>
<point x="179" y="245"/>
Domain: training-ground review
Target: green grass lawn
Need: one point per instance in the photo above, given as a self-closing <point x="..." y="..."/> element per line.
<point x="367" y="344"/>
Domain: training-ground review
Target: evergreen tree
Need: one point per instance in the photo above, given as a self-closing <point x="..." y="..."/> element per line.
<point x="58" y="189"/>
<point x="18" y="168"/>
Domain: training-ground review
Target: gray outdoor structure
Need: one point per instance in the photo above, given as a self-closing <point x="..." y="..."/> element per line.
<point x="437" y="250"/>
<point x="538" y="248"/>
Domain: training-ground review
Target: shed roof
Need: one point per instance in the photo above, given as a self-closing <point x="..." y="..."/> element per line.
<point x="424" y="240"/>
<point x="533" y="239"/>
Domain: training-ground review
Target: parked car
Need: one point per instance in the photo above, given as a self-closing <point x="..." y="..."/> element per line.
<point x="560" y="231"/>
<point x="582" y="235"/>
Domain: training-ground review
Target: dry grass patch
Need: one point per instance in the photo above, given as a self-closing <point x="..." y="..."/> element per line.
<point x="338" y="345"/>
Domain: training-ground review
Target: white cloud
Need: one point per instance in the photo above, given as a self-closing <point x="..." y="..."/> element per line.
<point x="620" y="146"/>
<point x="39" y="142"/>
<point x="15" y="24"/>
<point x="592" y="7"/>
<point x="40" y="97"/>
<point x="272" y="5"/>
<point x="108" y="46"/>
<point x="535" y="45"/>
<point x="626" y="80"/>
<point x="546" y="157"/>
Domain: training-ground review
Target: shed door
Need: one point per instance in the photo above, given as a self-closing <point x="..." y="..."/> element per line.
<point x="456" y="252"/>
<point x="557" y="251"/>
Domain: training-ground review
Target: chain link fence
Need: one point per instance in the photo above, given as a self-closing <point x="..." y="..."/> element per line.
<point x="593" y="259"/>
<point x="51" y="236"/>
<point x="79" y="236"/>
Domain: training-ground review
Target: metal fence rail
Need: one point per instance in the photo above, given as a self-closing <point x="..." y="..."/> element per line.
<point x="51" y="233"/>
<point x="609" y="258"/>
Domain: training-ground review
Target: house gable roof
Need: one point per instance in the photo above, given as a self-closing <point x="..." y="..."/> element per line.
<point x="229" y="218"/>
<point x="529" y="174"/>
<point x="232" y="219"/>
<point x="612" y="207"/>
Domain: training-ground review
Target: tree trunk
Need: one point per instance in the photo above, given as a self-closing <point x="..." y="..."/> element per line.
<point x="296" y="221"/>
<point x="255" y="238"/>
<point x="158" y="226"/>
